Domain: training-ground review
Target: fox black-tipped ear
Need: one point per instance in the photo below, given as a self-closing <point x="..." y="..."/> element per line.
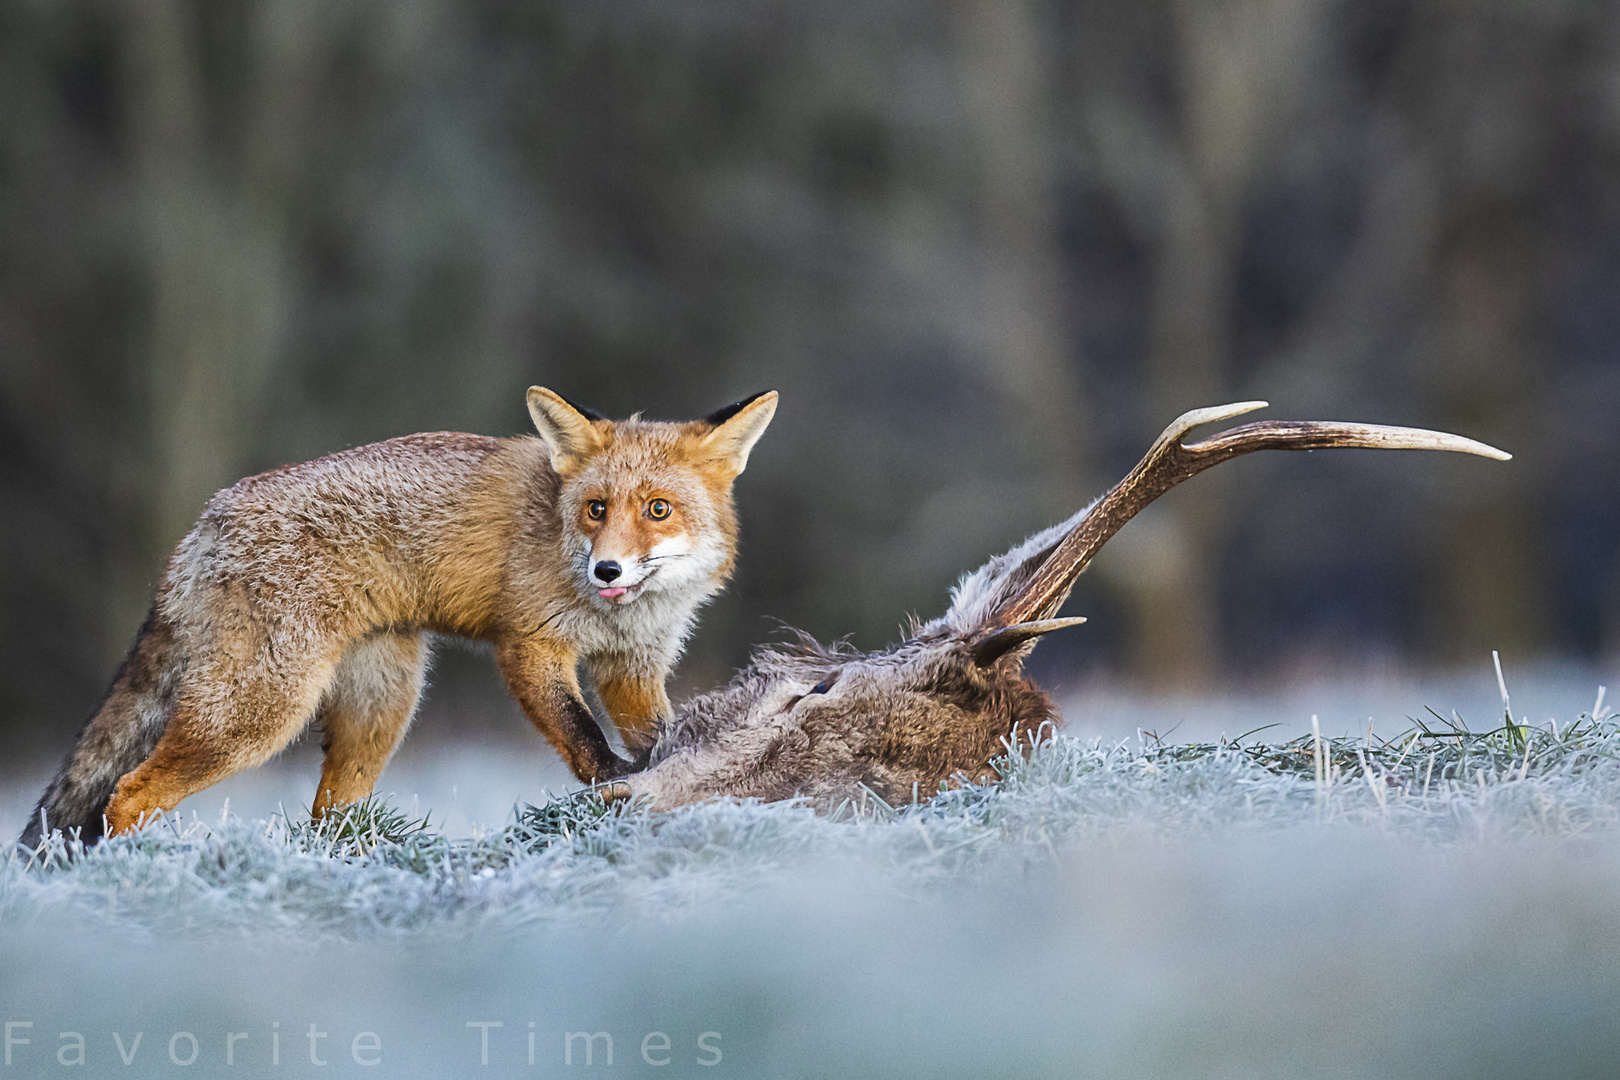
<point x="566" y="429"/>
<point x="998" y="643"/>
<point x="738" y="427"/>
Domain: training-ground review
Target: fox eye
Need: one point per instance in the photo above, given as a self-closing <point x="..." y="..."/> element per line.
<point x="596" y="509"/>
<point x="825" y="684"/>
<point x="658" y="509"/>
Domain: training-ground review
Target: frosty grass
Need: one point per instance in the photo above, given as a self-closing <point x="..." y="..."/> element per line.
<point x="1444" y="903"/>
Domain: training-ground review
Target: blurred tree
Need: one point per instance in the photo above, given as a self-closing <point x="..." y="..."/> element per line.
<point x="216" y="171"/>
<point x="1027" y="350"/>
<point x="1480" y="92"/>
<point x="1182" y="159"/>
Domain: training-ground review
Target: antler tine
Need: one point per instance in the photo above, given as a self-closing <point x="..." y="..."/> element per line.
<point x="1170" y="461"/>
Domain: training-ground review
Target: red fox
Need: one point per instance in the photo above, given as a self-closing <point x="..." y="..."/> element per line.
<point x="309" y="591"/>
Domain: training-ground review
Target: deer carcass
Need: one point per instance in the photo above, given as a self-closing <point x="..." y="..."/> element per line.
<point x="820" y="722"/>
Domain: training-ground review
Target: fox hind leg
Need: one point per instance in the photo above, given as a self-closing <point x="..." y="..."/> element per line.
<point x="229" y="714"/>
<point x="365" y="712"/>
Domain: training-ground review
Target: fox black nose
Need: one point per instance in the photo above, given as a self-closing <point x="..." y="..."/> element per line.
<point x="607" y="570"/>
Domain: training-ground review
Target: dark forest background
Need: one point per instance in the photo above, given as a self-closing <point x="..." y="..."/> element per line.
<point x="985" y="249"/>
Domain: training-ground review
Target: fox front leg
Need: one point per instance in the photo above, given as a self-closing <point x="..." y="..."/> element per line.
<point x="540" y="673"/>
<point x="634" y="696"/>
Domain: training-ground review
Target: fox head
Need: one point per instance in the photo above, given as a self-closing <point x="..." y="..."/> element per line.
<point x="646" y="505"/>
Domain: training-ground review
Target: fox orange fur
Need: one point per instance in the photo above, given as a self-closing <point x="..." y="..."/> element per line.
<point x="310" y="591"/>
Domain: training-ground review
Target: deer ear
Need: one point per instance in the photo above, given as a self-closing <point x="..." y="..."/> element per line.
<point x="568" y="430"/>
<point x="998" y="643"/>
<point x="737" y="428"/>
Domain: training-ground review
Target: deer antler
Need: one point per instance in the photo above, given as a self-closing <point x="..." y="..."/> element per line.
<point x="1168" y="463"/>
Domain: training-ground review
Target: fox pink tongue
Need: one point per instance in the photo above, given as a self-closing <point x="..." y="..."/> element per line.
<point x="608" y="594"/>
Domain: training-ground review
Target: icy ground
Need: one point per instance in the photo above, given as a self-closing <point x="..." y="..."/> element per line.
<point x="1443" y="904"/>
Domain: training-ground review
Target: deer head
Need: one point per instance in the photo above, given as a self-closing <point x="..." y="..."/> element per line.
<point x="817" y="722"/>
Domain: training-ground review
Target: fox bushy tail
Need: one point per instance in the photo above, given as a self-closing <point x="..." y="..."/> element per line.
<point x="120" y="735"/>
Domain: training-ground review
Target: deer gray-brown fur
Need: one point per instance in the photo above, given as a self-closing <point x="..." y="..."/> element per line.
<point x="819" y="723"/>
